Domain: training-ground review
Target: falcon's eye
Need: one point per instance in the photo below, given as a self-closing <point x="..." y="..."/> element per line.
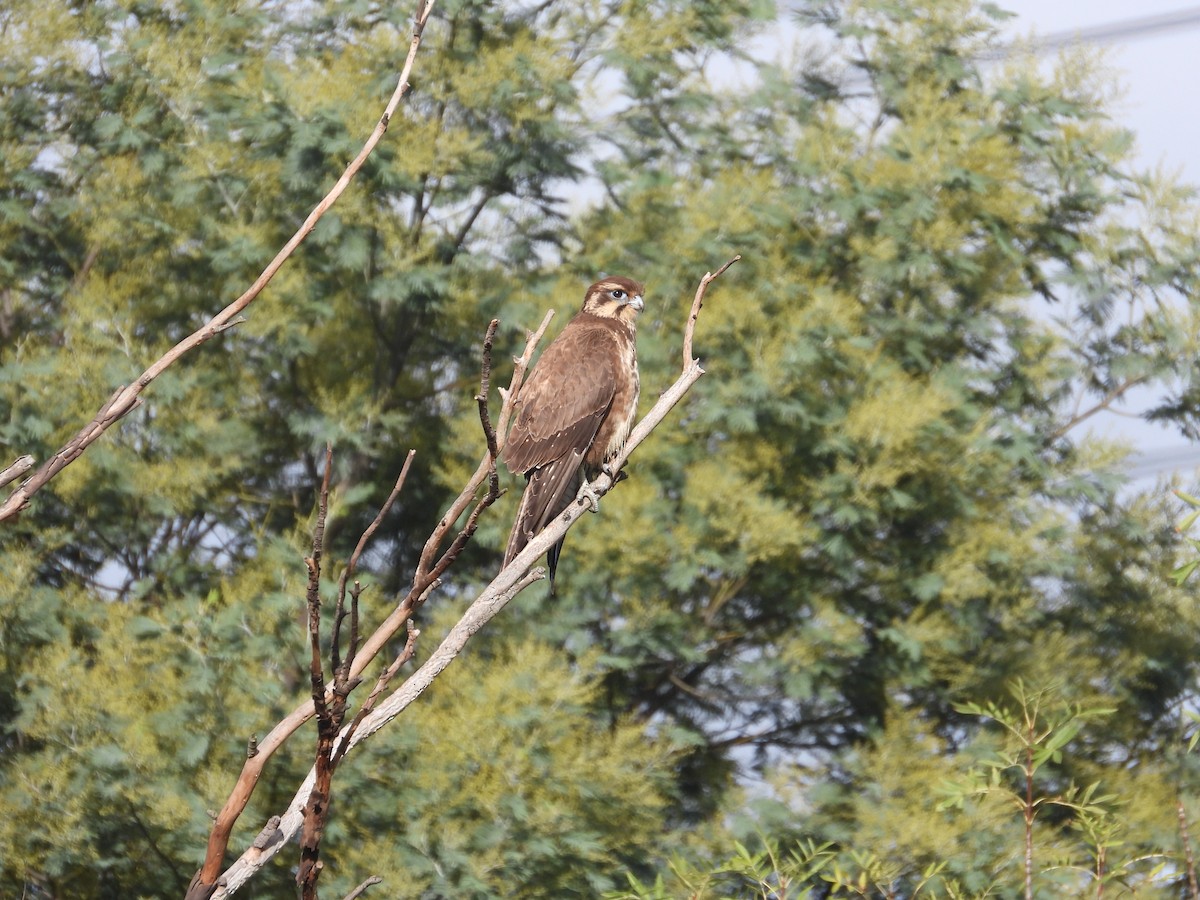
<point x="617" y="294"/>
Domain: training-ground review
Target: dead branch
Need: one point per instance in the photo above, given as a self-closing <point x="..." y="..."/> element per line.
<point x="690" y="329"/>
<point x="128" y="397"/>
<point x="358" y="891"/>
<point x="406" y="655"/>
<point x="423" y="586"/>
<point x="481" y="398"/>
<point x="258" y="753"/>
<point x="331" y="711"/>
<point x="351" y="568"/>
<point x="22" y="465"/>
<point x="205" y="881"/>
<point x="506" y="585"/>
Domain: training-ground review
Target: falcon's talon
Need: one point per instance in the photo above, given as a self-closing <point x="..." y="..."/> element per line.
<point x="615" y="475"/>
<point x="587" y="494"/>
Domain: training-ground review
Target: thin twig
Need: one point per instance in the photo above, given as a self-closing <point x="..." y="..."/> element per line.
<point x="358" y="891"/>
<point x="352" y="565"/>
<point x="405" y="656"/>
<point x="128" y="398"/>
<point x="481" y="398"/>
<point x="690" y="329"/>
<point x="344" y="683"/>
<point x="1105" y="402"/>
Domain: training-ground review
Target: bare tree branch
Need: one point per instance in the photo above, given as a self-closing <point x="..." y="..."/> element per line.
<point x="423" y="585"/>
<point x="405" y="656"/>
<point x="481" y="398"/>
<point x="690" y="329"/>
<point x="507" y="584"/>
<point x="358" y="891"/>
<point x="352" y="567"/>
<point x="128" y="397"/>
<point x="22" y="465"/>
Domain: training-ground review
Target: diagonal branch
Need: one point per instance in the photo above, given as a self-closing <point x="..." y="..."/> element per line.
<point x="1105" y="403"/>
<point x="128" y="397"/>
<point x="424" y="583"/>
<point x="340" y="609"/>
<point x="507" y="584"/>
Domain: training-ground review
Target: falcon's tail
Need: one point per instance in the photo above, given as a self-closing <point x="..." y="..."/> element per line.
<point x="550" y="490"/>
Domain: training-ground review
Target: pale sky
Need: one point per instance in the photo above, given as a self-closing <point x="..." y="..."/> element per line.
<point x="1159" y="71"/>
<point x="1162" y="106"/>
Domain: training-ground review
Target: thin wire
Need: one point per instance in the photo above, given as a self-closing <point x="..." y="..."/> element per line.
<point x="1122" y="30"/>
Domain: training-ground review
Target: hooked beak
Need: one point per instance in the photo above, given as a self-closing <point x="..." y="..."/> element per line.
<point x="637" y="303"/>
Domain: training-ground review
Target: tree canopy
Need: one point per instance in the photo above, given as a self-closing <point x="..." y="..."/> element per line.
<point x="875" y="557"/>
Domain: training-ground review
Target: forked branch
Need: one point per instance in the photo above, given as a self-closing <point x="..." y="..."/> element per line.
<point x="507" y="584"/>
<point x="424" y="583"/>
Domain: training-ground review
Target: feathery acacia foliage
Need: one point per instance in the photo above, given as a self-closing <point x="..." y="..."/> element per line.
<point x="878" y="508"/>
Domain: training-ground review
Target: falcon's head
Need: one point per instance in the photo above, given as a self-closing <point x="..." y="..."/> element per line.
<point x="614" y="298"/>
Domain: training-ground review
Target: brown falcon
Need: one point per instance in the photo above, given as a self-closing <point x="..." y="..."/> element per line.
<point x="576" y="409"/>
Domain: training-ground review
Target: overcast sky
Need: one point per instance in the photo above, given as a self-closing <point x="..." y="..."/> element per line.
<point x="1161" y="104"/>
<point x="1158" y="69"/>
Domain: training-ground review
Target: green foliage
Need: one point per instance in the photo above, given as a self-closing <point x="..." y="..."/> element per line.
<point x="1183" y="572"/>
<point x="766" y="874"/>
<point x="498" y="798"/>
<point x="877" y="510"/>
<point x="1015" y="773"/>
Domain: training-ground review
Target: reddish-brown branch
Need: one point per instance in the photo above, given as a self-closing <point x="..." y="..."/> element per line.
<point x="316" y="811"/>
<point x="128" y="397"/>
<point x="312" y="594"/>
<point x="481" y="398"/>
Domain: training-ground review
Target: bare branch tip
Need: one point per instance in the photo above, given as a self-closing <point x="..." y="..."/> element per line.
<point x="357" y="892"/>
<point x="240" y="320"/>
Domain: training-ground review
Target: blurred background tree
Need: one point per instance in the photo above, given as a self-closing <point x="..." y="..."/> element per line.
<point x="877" y="507"/>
